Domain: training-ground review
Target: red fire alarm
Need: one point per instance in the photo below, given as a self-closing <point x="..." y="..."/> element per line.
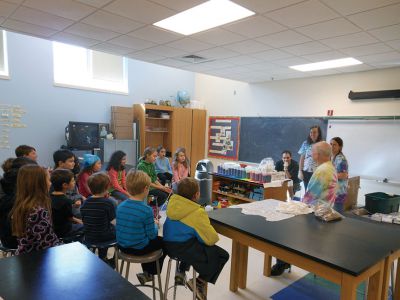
<point x="329" y="113"/>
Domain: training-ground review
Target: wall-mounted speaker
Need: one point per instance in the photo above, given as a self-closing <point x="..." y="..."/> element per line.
<point x="374" y="94"/>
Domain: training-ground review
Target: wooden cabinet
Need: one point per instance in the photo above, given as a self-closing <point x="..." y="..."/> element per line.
<point x="172" y="127"/>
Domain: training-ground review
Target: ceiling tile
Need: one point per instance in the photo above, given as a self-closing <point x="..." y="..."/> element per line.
<point x="2" y="19"/>
<point x="261" y="66"/>
<point x="329" y="29"/>
<point x="242" y="60"/>
<point x="394" y="44"/>
<point x="389" y="58"/>
<point x="367" y="49"/>
<point x="140" y="10"/>
<point x="346" y="7"/>
<point x="217" y="64"/>
<point x="144" y="55"/>
<point x="166" y="51"/>
<point x="155" y="35"/>
<point x="91" y="32"/>
<point x="305" y="13"/>
<point x="330" y="55"/>
<point x="170" y="62"/>
<point x="249" y="46"/>
<point x="109" y="21"/>
<point x="215" y="53"/>
<point x="189" y="45"/>
<point x="324" y="72"/>
<point x="254" y="26"/>
<point x="31" y="29"/>
<point x="388" y="15"/>
<point x="262" y="6"/>
<point x="131" y="42"/>
<point x="111" y="48"/>
<point x="273" y="54"/>
<point x="16" y="1"/>
<point x="350" y="40"/>
<point x="293" y="61"/>
<point x="63" y="8"/>
<point x="357" y="68"/>
<point x="218" y="36"/>
<point x="95" y="3"/>
<point x="233" y="70"/>
<point x="387" y="33"/>
<point x="6" y="9"/>
<point x="284" y="38"/>
<point x="306" y="48"/>
<point x="179" y="5"/>
<point x="37" y="17"/>
<point x="72" y="39"/>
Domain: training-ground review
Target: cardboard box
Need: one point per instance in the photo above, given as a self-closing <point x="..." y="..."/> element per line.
<point x="121" y="109"/>
<point x="121" y="122"/>
<point x="122" y="132"/>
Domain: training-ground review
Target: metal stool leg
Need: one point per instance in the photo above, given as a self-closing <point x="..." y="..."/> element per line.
<point x="122" y="267"/>
<point x="159" y="279"/>
<point x="167" y="279"/>
<point x="153" y="287"/>
<point x="392" y="278"/>
<point x="128" y="264"/>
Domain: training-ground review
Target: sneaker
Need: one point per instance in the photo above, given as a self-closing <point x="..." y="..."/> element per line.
<point x="144" y="277"/>
<point x="278" y="269"/>
<point x="201" y="288"/>
<point x="180" y="278"/>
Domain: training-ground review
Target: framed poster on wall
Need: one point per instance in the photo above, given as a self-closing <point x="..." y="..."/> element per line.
<point x="223" y="137"/>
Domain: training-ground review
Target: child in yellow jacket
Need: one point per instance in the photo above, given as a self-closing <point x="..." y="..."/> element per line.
<point x="189" y="236"/>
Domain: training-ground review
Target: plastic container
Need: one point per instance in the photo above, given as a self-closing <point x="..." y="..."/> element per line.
<point x="382" y="203"/>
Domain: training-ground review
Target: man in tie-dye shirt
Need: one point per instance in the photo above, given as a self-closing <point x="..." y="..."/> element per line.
<point x="322" y="185"/>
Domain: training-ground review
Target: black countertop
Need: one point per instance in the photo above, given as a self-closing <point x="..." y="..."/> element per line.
<point x="65" y="272"/>
<point x="349" y="245"/>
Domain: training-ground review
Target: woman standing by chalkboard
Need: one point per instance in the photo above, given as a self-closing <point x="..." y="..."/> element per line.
<point x="342" y="169"/>
<point x="307" y="165"/>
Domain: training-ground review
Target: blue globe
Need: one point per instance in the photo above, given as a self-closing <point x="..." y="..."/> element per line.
<point x="183" y="98"/>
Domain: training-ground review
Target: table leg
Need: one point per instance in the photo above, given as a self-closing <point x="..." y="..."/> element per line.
<point x="242" y="280"/>
<point x="375" y="285"/>
<point x="348" y="288"/>
<point x="235" y="262"/>
<point x="396" y="294"/>
<point x="267" y="264"/>
<point x="386" y="275"/>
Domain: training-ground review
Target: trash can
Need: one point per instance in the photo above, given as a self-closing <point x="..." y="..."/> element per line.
<point x="382" y="203"/>
<point x="203" y="168"/>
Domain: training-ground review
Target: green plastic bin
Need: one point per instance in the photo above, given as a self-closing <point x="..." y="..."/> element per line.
<point x="382" y="203"/>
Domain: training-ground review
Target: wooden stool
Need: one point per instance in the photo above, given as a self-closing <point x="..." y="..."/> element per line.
<point x="140" y="259"/>
<point x="175" y="286"/>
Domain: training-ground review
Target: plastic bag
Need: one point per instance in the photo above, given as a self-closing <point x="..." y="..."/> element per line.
<point x="325" y="212"/>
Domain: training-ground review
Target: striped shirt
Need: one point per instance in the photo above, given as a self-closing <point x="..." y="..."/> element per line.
<point x="97" y="213"/>
<point x="135" y="224"/>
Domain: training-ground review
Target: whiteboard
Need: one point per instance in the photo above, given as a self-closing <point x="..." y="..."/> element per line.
<point x="372" y="147"/>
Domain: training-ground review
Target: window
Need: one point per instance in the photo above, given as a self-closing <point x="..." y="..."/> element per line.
<point x="88" y="69"/>
<point x="3" y="56"/>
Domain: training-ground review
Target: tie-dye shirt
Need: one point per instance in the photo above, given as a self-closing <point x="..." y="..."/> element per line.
<point x="309" y="164"/>
<point x="322" y="185"/>
<point x="341" y="165"/>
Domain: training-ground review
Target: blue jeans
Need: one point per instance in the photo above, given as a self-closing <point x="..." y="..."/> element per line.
<point x="119" y="196"/>
<point x="339" y="207"/>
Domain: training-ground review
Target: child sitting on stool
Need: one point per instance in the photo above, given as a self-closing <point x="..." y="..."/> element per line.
<point x="189" y="236"/>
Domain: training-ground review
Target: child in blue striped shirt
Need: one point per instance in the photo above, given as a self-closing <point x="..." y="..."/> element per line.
<point x="136" y="227"/>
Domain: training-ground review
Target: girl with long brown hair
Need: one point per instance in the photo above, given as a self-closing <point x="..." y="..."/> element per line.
<point x="180" y="165"/>
<point x="31" y="213"/>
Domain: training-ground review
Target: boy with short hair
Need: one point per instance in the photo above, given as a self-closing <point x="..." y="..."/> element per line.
<point x="136" y="228"/>
<point x="65" y="224"/>
<point x="65" y="159"/>
<point x="27" y="151"/>
<point x="97" y="213"/>
<point x="189" y="236"/>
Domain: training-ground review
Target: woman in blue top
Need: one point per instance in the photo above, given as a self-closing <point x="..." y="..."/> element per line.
<point x="307" y="165"/>
<point x="342" y="169"/>
<point x="163" y="167"/>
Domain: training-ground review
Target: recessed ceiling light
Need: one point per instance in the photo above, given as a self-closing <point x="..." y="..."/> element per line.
<point x="207" y="15"/>
<point x="328" y="64"/>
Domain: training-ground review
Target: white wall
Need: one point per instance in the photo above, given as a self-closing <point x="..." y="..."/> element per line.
<point x="303" y="97"/>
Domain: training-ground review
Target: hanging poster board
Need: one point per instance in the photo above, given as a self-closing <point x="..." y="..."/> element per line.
<point x="223" y="137"/>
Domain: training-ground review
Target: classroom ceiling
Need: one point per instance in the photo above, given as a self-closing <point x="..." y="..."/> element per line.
<point x="256" y="49"/>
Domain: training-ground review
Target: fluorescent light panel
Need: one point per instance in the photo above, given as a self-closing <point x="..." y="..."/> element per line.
<point x="328" y="64"/>
<point x="207" y="15"/>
